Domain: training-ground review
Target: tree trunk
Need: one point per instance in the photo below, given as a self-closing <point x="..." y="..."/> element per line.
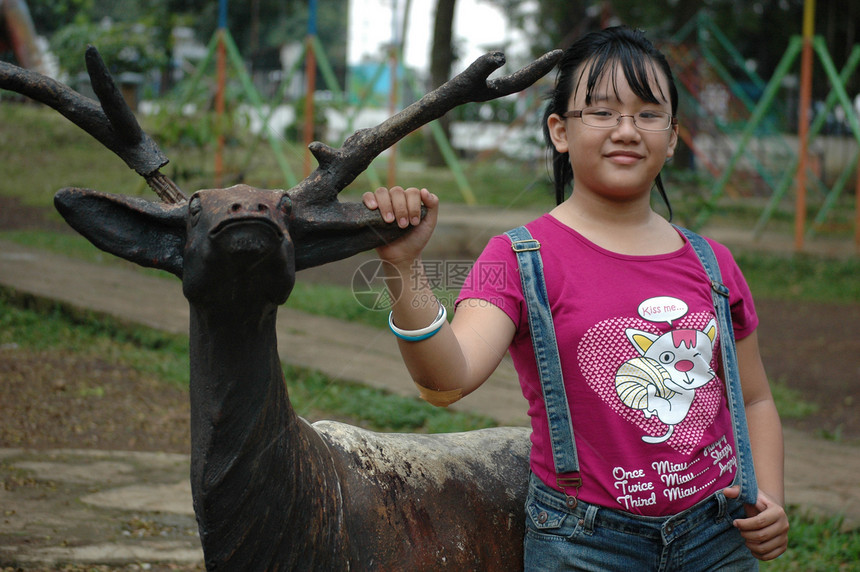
<point x="441" y="59"/>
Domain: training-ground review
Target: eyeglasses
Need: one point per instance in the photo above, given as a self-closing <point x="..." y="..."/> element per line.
<point x="605" y="118"/>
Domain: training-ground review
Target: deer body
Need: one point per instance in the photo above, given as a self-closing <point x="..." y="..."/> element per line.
<point x="270" y="490"/>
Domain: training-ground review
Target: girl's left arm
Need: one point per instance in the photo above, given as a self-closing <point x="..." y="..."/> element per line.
<point x="766" y="527"/>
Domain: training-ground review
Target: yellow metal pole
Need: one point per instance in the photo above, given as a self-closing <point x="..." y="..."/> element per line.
<point x="803" y="122"/>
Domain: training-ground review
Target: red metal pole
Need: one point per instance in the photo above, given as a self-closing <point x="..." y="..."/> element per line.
<point x="803" y="122"/>
<point x="392" y="109"/>
<point x="219" y="106"/>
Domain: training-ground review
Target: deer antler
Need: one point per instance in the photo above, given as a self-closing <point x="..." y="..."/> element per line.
<point x="339" y="167"/>
<point x="318" y="216"/>
<point x="113" y="124"/>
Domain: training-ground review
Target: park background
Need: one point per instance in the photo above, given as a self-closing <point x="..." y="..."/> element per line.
<point x="739" y="68"/>
<point x="295" y="71"/>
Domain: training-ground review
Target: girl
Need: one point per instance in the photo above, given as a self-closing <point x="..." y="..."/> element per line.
<point x="640" y="440"/>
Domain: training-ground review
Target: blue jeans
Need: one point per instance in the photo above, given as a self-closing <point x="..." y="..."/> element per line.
<point x="593" y="538"/>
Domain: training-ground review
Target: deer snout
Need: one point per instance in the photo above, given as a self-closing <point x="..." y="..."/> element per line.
<point x="268" y="205"/>
<point x="260" y="208"/>
<point x="247" y="236"/>
<point x="216" y="208"/>
<point x="238" y="241"/>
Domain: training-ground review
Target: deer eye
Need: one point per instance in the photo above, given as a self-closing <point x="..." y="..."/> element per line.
<point x="286" y="205"/>
<point x="194" y="209"/>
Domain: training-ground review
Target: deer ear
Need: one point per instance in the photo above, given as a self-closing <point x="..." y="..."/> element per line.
<point x="146" y="233"/>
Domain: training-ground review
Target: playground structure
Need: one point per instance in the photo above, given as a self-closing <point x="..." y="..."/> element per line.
<point x="737" y="131"/>
<point x="224" y="56"/>
<point x="740" y="129"/>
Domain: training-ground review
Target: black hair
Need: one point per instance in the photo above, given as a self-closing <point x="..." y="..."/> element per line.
<point x="605" y="49"/>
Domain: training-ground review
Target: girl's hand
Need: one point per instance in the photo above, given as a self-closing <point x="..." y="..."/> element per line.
<point x="766" y="527"/>
<point x="404" y="207"/>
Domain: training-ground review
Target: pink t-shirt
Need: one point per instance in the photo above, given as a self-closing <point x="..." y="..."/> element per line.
<point x="639" y="349"/>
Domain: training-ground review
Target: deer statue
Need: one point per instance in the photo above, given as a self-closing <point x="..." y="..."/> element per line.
<point x="270" y="490"/>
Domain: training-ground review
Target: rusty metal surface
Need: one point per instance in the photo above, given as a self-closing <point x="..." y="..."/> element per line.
<point x="433" y="502"/>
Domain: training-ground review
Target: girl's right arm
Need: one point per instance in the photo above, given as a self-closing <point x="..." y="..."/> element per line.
<point x="463" y="354"/>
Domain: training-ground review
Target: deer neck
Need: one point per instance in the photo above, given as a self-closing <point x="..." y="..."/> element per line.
<point x="238" y="398"/>
<point x="235" y="374"/>
<point x="254" y="460"/>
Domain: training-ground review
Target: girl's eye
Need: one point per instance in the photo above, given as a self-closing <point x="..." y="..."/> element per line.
<point x="654" y="115"/>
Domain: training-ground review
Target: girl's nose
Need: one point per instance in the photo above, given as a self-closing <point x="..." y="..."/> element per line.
<point x="626" y="127"/>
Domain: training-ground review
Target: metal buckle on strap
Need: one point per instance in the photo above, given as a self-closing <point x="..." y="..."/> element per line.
<point x="720" y="288"/>
<point x="565" y="483"/>
<point x="525" y="245"/>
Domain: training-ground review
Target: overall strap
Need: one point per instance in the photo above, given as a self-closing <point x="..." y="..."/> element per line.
<point x="746" y="472"/>
<point x="548" y="360"/>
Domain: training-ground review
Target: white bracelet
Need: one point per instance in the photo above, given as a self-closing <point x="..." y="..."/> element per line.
<point x="423" y="333"/>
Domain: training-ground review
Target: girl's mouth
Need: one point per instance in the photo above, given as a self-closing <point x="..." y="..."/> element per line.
<point x="624" y="157"/>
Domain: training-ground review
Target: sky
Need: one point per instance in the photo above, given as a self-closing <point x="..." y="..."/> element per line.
<point x="478" y="24"/>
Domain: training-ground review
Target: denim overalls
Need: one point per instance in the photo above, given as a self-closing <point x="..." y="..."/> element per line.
<point x="563" y="533"/>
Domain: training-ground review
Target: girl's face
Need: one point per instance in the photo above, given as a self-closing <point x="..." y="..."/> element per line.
<point x="620" y="162"/>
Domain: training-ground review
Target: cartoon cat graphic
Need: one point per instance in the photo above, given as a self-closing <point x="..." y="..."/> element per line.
<point x="663" y="381"/>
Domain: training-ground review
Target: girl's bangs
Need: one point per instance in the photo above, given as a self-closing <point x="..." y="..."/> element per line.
<point x="640" y="71"/>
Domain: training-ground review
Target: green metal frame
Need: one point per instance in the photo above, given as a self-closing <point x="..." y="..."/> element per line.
<point x="331" y="80"/>
<point x="815" y="127"/>
<point x="250" y="92"/>
<point x="705" y="32"/>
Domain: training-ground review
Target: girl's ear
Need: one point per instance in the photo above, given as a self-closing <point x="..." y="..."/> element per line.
<point x="673" y="143"/>
<point x="557" y="127"/>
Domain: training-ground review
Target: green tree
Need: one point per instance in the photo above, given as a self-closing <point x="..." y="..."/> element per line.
<point x="124" y="46"/>
<point x="259" y="28"/>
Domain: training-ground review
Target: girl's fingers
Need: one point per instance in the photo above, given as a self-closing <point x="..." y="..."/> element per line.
<point x="413" y="205"/>
<point x="399" y="206"/>
<point x="383" y="203"/>
<point x="369" y="200"/>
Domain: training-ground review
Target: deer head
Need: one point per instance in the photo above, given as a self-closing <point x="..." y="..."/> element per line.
<point x="320" y="227"/>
